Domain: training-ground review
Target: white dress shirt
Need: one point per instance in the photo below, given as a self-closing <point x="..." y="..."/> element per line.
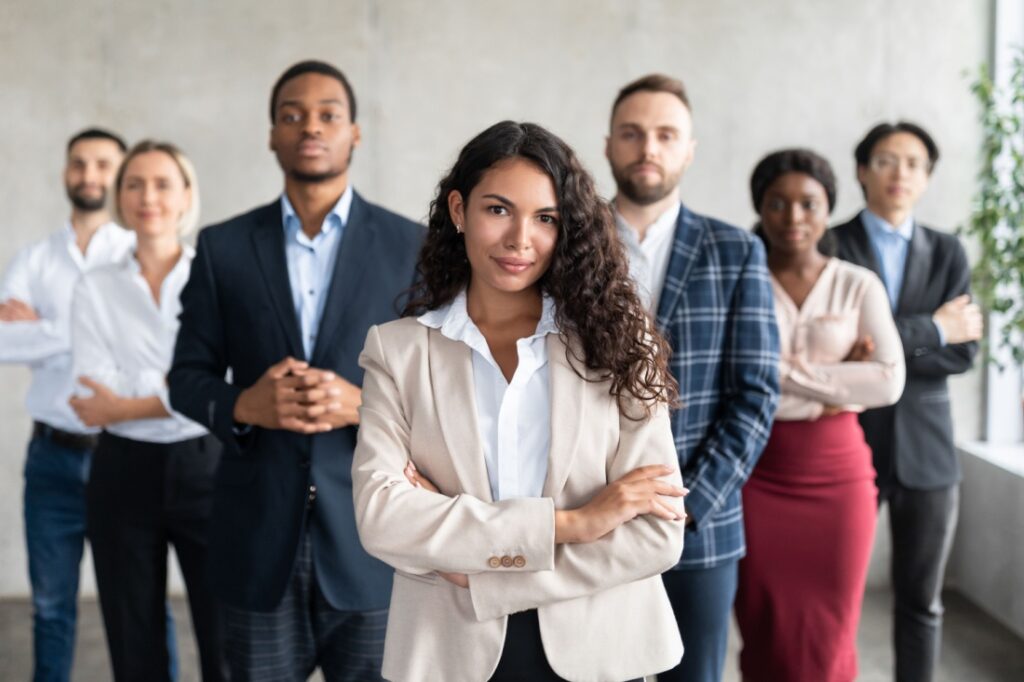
<point x="648" y="259"/>
<point x="514" y="417"/>
<point x="311" y="263"/>
<point x="44" y="275"/>
<point x="124" y="340"/>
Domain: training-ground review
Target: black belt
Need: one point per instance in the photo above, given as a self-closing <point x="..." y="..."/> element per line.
<point x="65" y="439"/>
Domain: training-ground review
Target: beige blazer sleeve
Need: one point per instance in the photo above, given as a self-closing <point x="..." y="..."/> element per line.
<point x="417" y="531"/>
<point x="644" y="547"/>
<point x="872" y="383"/>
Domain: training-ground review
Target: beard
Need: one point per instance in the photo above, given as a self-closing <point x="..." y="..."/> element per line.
<point x="322" y="176"/>
<point x="644" y="195"/>
<point x="86" y="203"/>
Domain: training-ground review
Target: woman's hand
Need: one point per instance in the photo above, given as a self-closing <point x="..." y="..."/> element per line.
<point x="418" y="480"/>
<point x="639" y="492"/>
<point x="862" y="350"/>
<point x="102" y="408"/>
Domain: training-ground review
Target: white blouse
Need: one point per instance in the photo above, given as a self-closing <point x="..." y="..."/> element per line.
<point x="847" y="303"/>
<point x="514" y="417"/>
<point x="123" y="339"/>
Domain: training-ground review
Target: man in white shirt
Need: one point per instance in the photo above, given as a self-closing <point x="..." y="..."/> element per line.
<point x="35" y="304"/>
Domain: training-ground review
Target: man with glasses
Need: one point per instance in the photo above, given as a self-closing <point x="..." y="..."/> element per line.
<point x="927" y="278"/>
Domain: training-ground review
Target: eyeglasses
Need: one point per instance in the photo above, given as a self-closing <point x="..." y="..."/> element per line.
<point x="888" y="162"/>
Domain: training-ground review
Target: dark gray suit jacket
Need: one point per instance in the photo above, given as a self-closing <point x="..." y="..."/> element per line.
<point x="912" y="441"/>
<point x="238" y="315"/>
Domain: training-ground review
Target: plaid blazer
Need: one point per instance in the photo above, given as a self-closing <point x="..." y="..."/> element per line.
<point x="717" y="312"/>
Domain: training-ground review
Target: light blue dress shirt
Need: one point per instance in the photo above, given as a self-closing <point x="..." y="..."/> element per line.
<point x="311" y="263"/>
<point x="891" y="245"/>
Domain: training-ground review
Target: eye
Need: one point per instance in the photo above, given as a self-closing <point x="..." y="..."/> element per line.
<point x="667" y="136"/>
<point x="548" y="219"/>
<point x="290" y="117"/>
<point x="330" y="117"/>
<point x="628" y="135"/>
<point x="497" y="209"/>
<point x="810" y="205"/>
<point x="776" y="205"/>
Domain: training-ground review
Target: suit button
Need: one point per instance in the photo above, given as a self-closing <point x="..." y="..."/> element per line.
<point x="506" y="561"/>
<point x="519" y="561"/>
<point x="494" y="562"/>
<point x="312" y="493"/>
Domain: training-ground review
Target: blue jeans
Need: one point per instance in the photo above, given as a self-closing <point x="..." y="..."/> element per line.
<point x="55" y="479"/>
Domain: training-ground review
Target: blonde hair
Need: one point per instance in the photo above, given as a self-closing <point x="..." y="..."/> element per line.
<point x="190" y="218"/>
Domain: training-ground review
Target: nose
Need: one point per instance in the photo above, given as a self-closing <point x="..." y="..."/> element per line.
<point x="148" y="193"/>
<point x="312" y="126"/>
<point x="794" y="214"/>
<point x="650" y="145"/>
<point x="518" y="236"/>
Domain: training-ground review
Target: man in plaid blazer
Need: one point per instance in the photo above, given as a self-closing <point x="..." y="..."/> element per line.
<point x="708" y="285"/>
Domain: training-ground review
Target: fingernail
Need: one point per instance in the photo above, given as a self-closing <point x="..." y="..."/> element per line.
<point x="686" y="491"/>
<point x="334" y="391"/>
<point x="412" y="465"/>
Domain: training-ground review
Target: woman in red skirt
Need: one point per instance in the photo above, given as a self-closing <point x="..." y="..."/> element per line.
<point x="810" y="505"/>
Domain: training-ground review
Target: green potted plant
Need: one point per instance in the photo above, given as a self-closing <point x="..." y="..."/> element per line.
<point x="996" y="223"/>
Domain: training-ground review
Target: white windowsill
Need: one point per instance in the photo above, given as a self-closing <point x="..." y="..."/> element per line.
<point x="1006" y="456"/>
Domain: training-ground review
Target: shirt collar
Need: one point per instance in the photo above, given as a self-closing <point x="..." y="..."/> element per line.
<point x="184" y="261"/>
<point x="664" y="223"/>
<point x="878" y="227"/>
<point x="454" y="322"/>
<point x="337" y="216"/>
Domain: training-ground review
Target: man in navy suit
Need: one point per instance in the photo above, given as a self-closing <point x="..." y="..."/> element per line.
<point x="274" y="316"/>
<point x="707" y="285"/>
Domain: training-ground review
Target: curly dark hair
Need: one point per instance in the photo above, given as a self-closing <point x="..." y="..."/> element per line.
<point x="596" y="301"/>
<point x="775" y="165"/>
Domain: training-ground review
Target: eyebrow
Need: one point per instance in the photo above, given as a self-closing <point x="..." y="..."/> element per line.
<point x="637" y="126"/>
<point x="298" y="103"/>
<point x="508" y="202"/>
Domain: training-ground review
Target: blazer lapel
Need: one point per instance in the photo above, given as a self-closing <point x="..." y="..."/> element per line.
<point x="568" y="414"/>
<point x="268" y="241"/>
<point x="686" y="245"/>
<point x="915" y="271"/>
<point x="451" y="379"/>
<point x="861" y="250"/>
<point x="354" y="252"/>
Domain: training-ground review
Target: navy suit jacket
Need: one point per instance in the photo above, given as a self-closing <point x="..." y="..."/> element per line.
<point x="238" y="319"/>
<point x="717" y="312"/>
<point x="912" y="441"/>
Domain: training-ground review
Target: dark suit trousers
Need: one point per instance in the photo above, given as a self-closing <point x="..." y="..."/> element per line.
<point x="922" y="523"/>
<point x="140" y="497"/>
<point x="305" y="632"/>
<point x="702" y="600"/>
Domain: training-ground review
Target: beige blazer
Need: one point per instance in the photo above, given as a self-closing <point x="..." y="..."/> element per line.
<point x="603" y="611"/>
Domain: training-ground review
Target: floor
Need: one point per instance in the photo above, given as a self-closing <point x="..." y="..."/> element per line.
<point x="975" y="648"/>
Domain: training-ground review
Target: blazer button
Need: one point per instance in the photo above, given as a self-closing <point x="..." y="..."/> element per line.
<point x="506" y="561"/>
<point x="494" y="562"/>
<point x="519" y="561"/>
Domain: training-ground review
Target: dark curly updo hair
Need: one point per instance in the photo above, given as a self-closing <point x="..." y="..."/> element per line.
<point x="596" y="302"/>
<point x="775" y="165"/>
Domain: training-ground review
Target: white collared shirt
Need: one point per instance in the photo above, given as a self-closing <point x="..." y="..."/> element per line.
<point x="124" y="340"/>
<point x="44" y="275"/>
<point x="514" y="417"/>
<point x="648" y="259"/>
<point x="311" y="263"/>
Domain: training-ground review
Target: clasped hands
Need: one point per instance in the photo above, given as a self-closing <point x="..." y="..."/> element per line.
<point x="293" y="396"/>
<point x="641" y="491"/>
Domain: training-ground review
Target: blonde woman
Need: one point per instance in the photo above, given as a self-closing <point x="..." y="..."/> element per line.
<point x="152" y="473"/>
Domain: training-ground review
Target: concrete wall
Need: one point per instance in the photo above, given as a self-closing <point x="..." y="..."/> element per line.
<point x="430" y="75"/>
<point x="987" y="563"/>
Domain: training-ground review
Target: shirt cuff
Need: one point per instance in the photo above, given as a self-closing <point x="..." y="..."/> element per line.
<point x="942" y="336"/>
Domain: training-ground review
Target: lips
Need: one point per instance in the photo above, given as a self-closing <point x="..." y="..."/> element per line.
<point x="310" y="148"/>
<point x="513" y="265"/>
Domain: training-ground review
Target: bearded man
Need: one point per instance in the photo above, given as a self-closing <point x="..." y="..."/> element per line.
<point x="706" y="284"/>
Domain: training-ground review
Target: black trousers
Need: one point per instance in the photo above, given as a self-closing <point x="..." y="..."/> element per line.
<point x="522" y="658"/>
<point x="140" y="498"/>
<point x="922" y="523"/>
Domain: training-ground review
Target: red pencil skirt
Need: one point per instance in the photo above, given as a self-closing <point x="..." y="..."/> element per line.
<point x="809" y="514"/>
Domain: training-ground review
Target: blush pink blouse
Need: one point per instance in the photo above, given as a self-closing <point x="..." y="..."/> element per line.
<point x="847" y="303"/>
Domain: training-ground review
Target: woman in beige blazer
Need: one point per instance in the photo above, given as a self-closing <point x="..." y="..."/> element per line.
<point x="515" y="461"/>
